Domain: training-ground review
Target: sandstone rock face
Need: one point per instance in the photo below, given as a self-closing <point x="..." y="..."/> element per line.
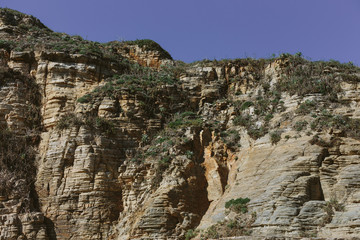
<point x="144" y="52"/>
<point x="144" y="57"/>
<point x="143" y="154"/>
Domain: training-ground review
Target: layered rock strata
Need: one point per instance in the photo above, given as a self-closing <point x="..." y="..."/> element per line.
<point x="126" y="152"/>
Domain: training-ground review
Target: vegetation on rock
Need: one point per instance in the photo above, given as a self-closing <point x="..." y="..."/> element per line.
<point x="167" y="133"/>
<point x="238" y="205"/>
<point x="149" y="45"/>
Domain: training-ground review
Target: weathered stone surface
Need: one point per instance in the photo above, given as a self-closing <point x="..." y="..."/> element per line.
<point x="142" y="179"/>
<point x="144" y="57"/>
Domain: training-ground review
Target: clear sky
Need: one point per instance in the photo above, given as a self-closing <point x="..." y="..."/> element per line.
<point x="197" y="29"/>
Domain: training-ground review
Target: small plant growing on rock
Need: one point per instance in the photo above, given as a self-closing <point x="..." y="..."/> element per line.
<point x="68" y="120"/>
<point x="256" y="133"/>
<point x="231" y="138"/>
<point x="165" y="161"/>
<point x="242" y="120"/>
<point x="186" y="119"/>
<point x="238" y="205"/>
<point x="85" y="99"/>
<point x="190" y="234"/>
<point x="7" y="45"/>
<point x="246" y="105"/>
<point x="232" y="224"/>
<point x="299" y="125"/>
<point x="333" y="203"/>
<point x="211" y="232"/>
<point x="145" y="138"/>
<point x="275" y="137"/>
<point x="189" y="154"/>
<point x="329" y="208"/>
<point x="306" y="107"/>
<point x="102" y="124"/>
<point x="268" y="117"/>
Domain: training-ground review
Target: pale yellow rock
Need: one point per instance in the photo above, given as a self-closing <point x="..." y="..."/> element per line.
<point x="90" y="185"/>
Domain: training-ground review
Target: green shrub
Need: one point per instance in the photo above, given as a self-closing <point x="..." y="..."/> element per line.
<point x="144" y="83"/>
<point x="238" y="205"/>
<point x="306" y="107"/>
<point x="232" y="224"/>
<point x="349" y="126"/>
<point x="299" y="125"/>
<point x="68" y="120"/>
<point x="329" y="208"/>
<point x="262" y="106"/>
<point x="242" y="120"/>
<point x="231" y="138"/>
<point x="188" y="114"/>
<point x="165" y="161"/>
<point x="185" y="120"/>
<point x="17" y="166"/>
<point x="85" y="99"/>
<point x="177" y="123"/>
<point x="145" y="138"/>
<point x="189" y="154"/>
<point x="268" y="117"/>
<point x="246" y="105"/>
<point x="7" y="44"/>
<point x="212" y="232"/>
<point x="304" y="77"/>
<point x="96" y="123"/>
<point x="104" y="125"/>
<point x="275" y="137"/>
<point x="190" y="234"/>
<point x="256" y="133"/>
<point x="333" y="203"/>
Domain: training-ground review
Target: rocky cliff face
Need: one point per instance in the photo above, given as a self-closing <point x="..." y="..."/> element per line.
<point x="118" y="141"/>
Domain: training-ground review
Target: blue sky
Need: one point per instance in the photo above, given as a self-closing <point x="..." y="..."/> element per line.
<point x="197" y="29"/>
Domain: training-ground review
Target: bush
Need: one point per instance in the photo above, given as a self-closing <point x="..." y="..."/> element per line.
<point x="185" y="120"/>
<point x="85" y="99"/>
<point x="70" y="120"/>
<point x="275" y="137"/>
<point x="242" y="120"/>
<point x="268" y="117"/>
<point x="329" y="208"/>
<point x="299" y="125"/>
<point x="144" y="83"/>
<point x="12" y="185"/>
<point x="262" y="106"/>
<point x="238" y="205"/>
<point x="348" y="126"/>
<point x="212" y="232"/>
<point x="333" y="203"/>
<point x="189" y="154"/>
<point x="306" y="107"/>
<point x="304" y="77"/>
<point x="246" y="105"/>
<point x="256" y="133"/>
<point x="7" y="45"/>
<point x="145" y="138"/>
<point x="67" y="121"/>
<point x="165" y="161"/>
<point x="230" y="138"/>
<point x="104" y="125"/>
<point x="17" y="158"/>
<point x="190" y="234"/>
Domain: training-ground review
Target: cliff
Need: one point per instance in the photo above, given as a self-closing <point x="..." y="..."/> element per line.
<point x="119" y="141"/>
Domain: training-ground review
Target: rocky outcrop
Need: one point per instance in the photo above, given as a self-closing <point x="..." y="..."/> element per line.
<point x="113" y="150"/>
<point x="146" y="57"/>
